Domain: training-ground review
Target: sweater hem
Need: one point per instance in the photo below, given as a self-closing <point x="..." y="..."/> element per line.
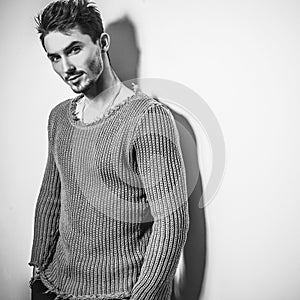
<point x="63" y="295"/>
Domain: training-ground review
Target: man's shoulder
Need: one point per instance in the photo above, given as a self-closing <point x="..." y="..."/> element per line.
<point x="61" y="109"/>
<point x="63" y="105"/>
<point x="152" y="105"/>
<point x="146" y="102"/>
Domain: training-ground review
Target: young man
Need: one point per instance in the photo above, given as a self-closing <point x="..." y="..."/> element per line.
<point x="111" y="217"/>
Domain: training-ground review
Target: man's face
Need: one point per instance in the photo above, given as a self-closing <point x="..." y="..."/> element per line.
<point x="75" y="58"/>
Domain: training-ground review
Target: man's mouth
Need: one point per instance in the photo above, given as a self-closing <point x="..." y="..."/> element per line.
<point x="74" y="77"/>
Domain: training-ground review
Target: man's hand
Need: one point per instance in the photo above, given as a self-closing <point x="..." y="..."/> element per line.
<point x="36" y="272"/>
<point x="35" y="276"/>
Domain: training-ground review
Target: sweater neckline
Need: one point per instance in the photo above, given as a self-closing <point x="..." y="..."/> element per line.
<point x="112" y="110"/>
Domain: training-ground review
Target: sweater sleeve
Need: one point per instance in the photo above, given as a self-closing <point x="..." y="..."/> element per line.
<point x="47" y="209"/>
<point x="162" y="171"/>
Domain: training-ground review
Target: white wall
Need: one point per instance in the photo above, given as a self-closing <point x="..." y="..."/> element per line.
<point x="243" y="58"/>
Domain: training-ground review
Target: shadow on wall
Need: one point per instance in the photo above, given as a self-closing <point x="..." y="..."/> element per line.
<point x="189" y="277"/>
<point x="124" y="54"/>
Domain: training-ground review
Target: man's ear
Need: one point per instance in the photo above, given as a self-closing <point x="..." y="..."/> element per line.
<point x="104" y="42"/>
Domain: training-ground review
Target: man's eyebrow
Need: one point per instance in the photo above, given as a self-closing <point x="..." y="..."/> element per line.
<point x="67" y="49"/>
<point x="51" y="55"/>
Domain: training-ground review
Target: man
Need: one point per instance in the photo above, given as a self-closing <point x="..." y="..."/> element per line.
<point x="112" y="216"/>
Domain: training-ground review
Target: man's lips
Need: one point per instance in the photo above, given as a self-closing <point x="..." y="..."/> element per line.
<point x="73" y="77"/>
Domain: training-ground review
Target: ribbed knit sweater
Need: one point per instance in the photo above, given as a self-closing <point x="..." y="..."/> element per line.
<point x="111" y="216"/>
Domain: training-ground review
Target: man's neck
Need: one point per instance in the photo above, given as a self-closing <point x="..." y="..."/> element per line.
<point x="104" y="89"/>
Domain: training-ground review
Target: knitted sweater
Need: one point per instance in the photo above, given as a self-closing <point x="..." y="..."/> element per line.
<point x="111" y="216"/>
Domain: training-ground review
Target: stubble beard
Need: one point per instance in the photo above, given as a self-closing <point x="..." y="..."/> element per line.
<point x="95" y="68"/>
<point x="82" y="87"/>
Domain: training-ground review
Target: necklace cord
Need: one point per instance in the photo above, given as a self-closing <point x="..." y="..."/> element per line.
<point x="106" y="109"/>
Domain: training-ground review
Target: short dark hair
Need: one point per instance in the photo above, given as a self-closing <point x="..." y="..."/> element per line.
<point x="64" y="15"/>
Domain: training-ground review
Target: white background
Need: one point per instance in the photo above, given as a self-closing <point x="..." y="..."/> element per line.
<point x="243" y="58"/>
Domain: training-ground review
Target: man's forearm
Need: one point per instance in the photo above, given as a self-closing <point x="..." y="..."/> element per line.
<point x="162" y="256"/>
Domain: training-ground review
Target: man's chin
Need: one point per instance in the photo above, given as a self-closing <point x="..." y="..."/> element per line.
<point x="79" y="89"/>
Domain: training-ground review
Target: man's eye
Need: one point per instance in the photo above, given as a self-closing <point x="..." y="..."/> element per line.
<point x="75" y="50"/>
<point x="54" y="58"/>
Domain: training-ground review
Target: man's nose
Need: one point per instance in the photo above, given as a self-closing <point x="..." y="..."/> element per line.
<point x="68" y="67"/>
